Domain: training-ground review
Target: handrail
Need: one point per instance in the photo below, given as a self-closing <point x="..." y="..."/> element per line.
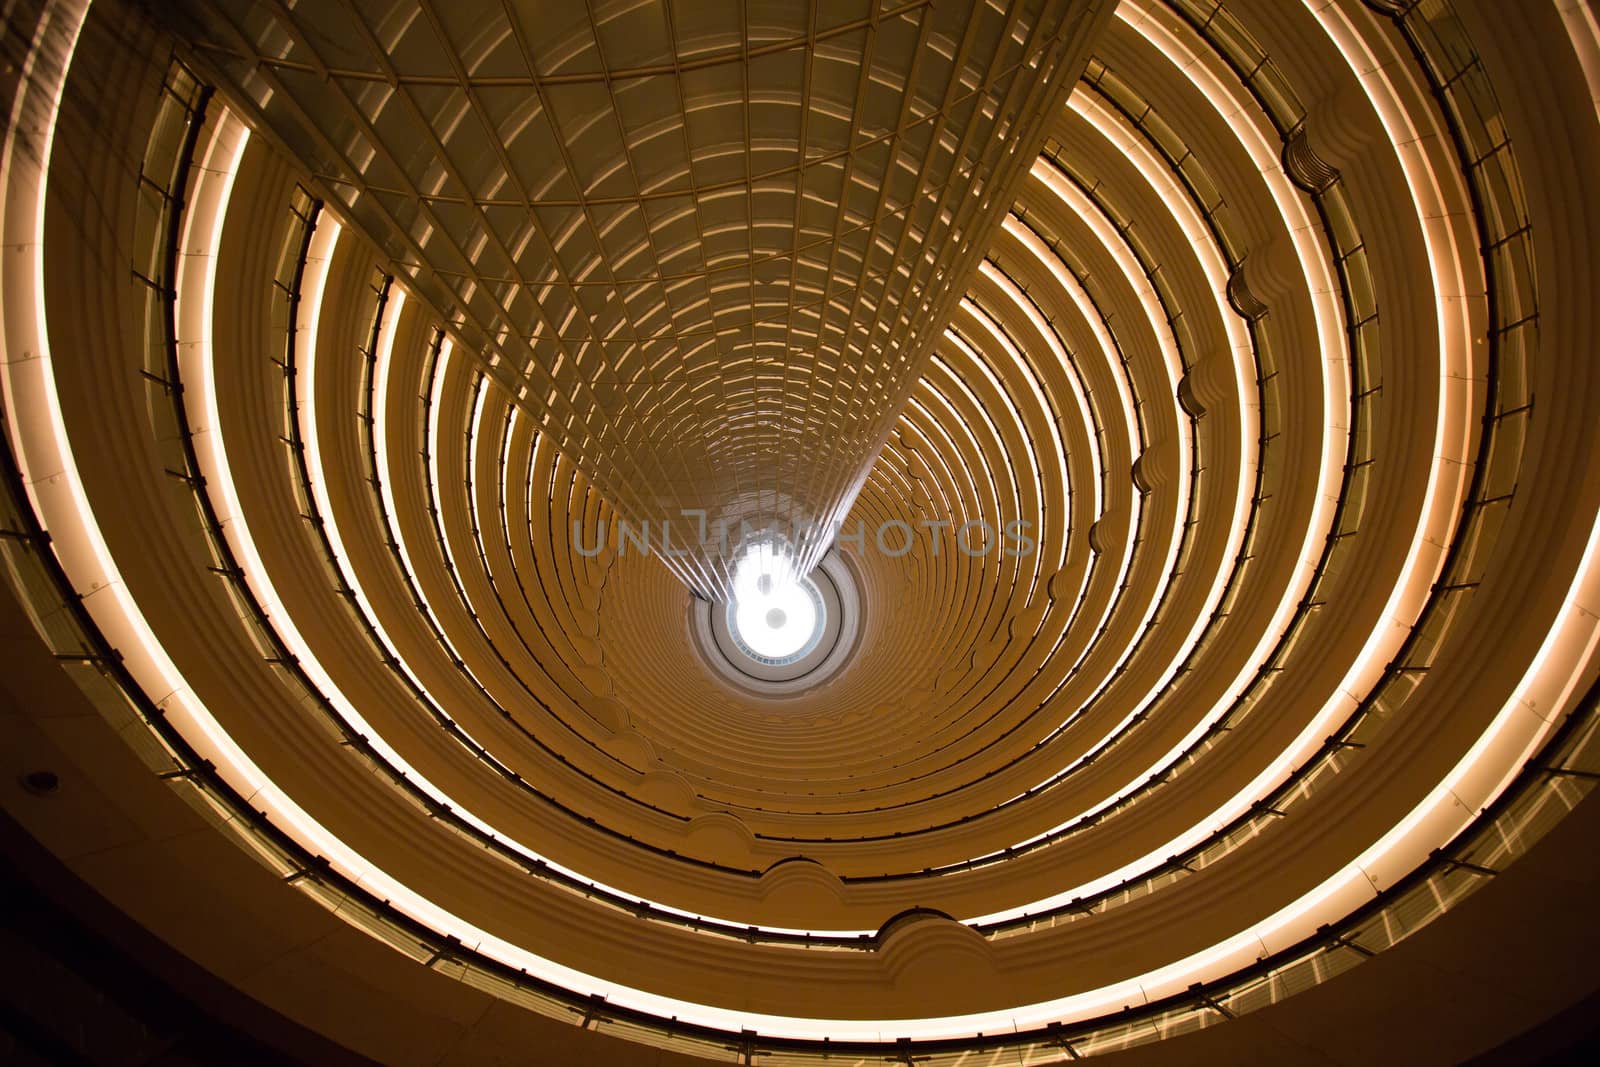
<point x="1507" y="826"/>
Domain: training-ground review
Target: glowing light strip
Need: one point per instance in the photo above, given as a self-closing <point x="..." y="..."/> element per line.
<point x="1044" y="405"/>
<point x="1343" y="701"/>
<point x="1046" y="413"/>
<point x="43" y="450"/>
<point x="975" y="479"/>
<point x="313" y="284"/>
<point x="474" y="428"/>
<point x="67" y="513"/>
<point x="1154" y="984"/>
<point x="212" y="451"/>
<point x="1564" y="647"/>
<point x="383" y="359"/>
<point x="1582" y="24"/>
<point x="1417" y="574"/>
<point x="1426" y="555"/>
<point x="509" y="436"/>
<point x="1137" y="282"/>
<point x="1210" y="261"/>
<point x="1216" y="272"/>
<point x="1091" y="316"/>
<point x="993" y="471"/>
<point x="1058" y="353"/>
<point x="1025" y="372"/>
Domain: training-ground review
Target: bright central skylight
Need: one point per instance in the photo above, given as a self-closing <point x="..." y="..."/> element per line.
<point x="773" y="616"/>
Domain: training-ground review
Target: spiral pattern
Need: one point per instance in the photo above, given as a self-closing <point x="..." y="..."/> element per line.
<point x="1264" y="407"/>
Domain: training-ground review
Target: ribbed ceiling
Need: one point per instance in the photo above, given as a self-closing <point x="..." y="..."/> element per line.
<point x="705" y="246"/>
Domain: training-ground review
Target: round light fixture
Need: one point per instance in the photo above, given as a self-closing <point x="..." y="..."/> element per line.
<point x="778" y="622"/>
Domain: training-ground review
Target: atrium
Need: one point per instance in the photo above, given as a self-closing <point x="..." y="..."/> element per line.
<point x="667" y="532"/>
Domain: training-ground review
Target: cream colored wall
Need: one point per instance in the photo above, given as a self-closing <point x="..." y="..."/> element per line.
<point x="640" y="771"/>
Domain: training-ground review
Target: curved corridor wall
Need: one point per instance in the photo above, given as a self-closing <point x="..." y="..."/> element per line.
<point x="1278" y="358"/>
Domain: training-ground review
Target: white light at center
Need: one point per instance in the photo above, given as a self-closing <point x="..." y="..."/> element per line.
<point x="776" y="624"/>
<point x="773" y="614"/>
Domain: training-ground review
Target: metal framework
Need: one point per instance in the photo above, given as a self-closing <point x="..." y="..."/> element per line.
<point x="707" y="246"/>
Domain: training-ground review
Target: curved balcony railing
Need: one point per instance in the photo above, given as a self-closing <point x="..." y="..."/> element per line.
<point x="1564" y="771"/>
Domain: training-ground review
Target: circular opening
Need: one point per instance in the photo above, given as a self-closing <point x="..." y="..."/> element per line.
<point x="777" y="622"/>
<point x="780" y="636"/>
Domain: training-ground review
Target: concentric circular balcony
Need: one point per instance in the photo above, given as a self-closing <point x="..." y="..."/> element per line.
<point x="1211" y="637"/>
